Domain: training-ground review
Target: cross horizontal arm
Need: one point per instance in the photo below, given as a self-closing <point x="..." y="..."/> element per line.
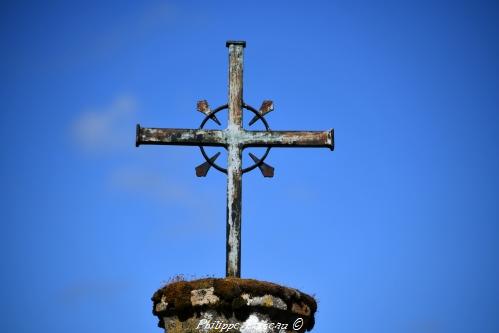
<point x="179" y="137"/>
<point x="316" y="139"/>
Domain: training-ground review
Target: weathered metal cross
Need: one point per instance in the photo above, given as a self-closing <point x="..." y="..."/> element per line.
<point x="234" y="138"/>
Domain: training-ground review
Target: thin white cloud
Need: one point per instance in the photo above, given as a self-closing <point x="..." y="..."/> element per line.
<point x="106" y="128"/>
<point x="106" y="132"/>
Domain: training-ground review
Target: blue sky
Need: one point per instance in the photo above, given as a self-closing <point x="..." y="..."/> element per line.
<point x="395" y="231"/>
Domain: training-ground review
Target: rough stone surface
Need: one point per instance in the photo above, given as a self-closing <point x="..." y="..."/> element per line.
<point x="232" y="305"/>
<point x="266" y="300"/>
<point x="211" y="321"/>
<point x="203" y="296"/>
<point x="301" y="309"/>
<point x="161" y="305"/>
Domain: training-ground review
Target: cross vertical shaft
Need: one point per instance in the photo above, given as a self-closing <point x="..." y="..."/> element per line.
<point x="234" y="163"/>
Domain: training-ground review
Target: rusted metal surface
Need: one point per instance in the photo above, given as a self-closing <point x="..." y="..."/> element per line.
<point x="267" y="170"/>
<point x="203" y="107"/>
<point x="234" y="163"/>
<point x="235" y="85"/>
<point x="179" y="137"/>
<point x="311" y="139"/>
<point x="267" y="106"/>
<point x="202" y="169"/>
<point x="234" y="138"/>
<point x="234" y="203"/>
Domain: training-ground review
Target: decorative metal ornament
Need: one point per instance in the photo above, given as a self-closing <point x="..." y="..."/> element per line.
<point x="210" y="161"/>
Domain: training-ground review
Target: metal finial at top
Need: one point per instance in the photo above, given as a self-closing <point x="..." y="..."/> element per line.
<point x="235" y="42"/>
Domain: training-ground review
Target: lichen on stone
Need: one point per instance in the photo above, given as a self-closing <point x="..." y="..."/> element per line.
<point x="232" y="298"/>
<point x="203" y="296"/>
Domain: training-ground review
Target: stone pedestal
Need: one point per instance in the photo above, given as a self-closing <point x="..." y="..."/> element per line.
<point x="232" y="305"/>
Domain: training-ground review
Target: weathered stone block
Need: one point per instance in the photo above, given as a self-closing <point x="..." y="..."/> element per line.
<point x="232" y="305"/>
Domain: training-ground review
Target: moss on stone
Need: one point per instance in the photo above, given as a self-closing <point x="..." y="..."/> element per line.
<point x="229" y="290"/>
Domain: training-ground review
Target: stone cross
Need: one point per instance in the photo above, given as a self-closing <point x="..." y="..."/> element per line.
<point x="234" y="139"/>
